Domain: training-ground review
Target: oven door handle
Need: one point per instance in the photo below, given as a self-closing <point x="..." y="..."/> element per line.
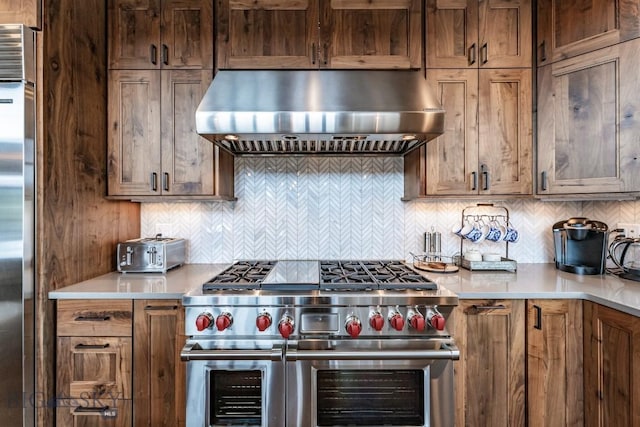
<point x="448" y="351"/>
<point x="192" y="351"/>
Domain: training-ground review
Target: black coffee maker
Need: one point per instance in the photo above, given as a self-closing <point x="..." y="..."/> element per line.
<point x="581" y="245"/>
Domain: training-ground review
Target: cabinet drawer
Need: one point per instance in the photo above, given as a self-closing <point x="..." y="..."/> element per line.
<point x="94" y="413"/>
<point x="95" y="318"/>
<point x="94" y="367"/>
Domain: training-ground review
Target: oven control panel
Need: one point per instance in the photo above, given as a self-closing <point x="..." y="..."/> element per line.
<point x="354" y="322"/>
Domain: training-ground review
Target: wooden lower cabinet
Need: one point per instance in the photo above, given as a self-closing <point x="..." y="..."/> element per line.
<point x="118" y="363"/>
<point x="94" y="350"/>
<point x="490" y="375"/>
<point x="611" y="367"/>
<point x="554" y="363"/>
<point x="160" y="377"/>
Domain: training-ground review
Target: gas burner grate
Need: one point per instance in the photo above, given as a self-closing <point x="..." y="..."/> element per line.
<point x="241" y="276"/>
<point x="358" y="275"/>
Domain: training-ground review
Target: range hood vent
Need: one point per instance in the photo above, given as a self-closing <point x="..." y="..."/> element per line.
<point x="327" y="112"/>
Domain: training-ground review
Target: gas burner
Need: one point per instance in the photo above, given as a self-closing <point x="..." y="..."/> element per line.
<point x="241" y="276"/>
<point x="358" y="275"/>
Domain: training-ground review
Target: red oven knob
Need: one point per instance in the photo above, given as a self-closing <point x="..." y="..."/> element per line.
<point x="353" y="326"/>
<point x="203" y="321"/>
<point x="376" y="321"/>
<point x="285" y="326"/>
<point x="397" y="321"/>
<point x="224" y="321"/>
<point x="263" y="321"/>
<point x="417" y="321"/>
<point x="437" y="321"/>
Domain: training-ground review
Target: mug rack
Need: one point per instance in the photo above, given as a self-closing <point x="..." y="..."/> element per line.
<point x="490" y="213"/>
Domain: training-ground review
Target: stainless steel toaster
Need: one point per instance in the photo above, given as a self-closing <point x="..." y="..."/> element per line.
<point x="151" y="255"/>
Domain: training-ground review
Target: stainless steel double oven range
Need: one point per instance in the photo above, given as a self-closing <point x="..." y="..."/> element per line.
<point x="319" y="343"/>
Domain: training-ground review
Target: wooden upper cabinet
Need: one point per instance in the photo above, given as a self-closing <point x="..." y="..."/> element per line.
<point x="505" y="150"/>
<point x="310" y="34"/>
<point x="371" y="34"/>
<point x="478" y="33"/>
<point x="487" y="144"/>
<point x="267" y="34"/>
<point x="567" y="29"/>
<point x="153" y="149"/>
<point x="133" y="148"/>
<point x="27" y="12"/>
<point x="154" y="34"/>
<point x="587" y="122"/>
<point x="452" y="159"/>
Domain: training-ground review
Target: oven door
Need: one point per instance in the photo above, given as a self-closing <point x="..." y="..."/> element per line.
<point x="370" y="383"/>
<point x="234" y="383"/>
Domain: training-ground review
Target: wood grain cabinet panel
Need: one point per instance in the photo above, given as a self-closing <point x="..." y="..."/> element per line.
<point x="160" y="376"/>
<point x="153" y="148"/>
<point x="94" y="318"/>
<point x="611" y="367"/>
<point x="478" y="33"/>
<point x="554" y="363"/>
<point x="487" y="144"/>
<point x="311" y="34"/>
<point x="155" y="34"/>
<point x="587" y="122"/>
<point x="27" y="12"/>
<point x="371" y="34"/>
<point x="567" y="28"/>
<point x="490" y="375"/>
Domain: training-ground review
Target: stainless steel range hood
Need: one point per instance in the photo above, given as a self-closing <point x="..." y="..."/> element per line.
<point x="332" y="112"/>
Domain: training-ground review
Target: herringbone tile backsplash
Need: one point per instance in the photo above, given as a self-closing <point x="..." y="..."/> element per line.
<point x="328" y="208"/>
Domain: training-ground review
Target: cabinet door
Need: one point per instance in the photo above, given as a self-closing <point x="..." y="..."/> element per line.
<point x="504" y="33"/>
<point x="160" y="379"/>
<point x="472" y="33"/>
<point x="567" y="29"/>
<point x="587" y="122"/>
<point x="452" y="158"/>
<point x="490" y="375"/>
<point x="94" y="367"/>
<point x="505" y="132"/>
<point x="134" y="133"/>
<point x="371" y="34"/>
<point x="187" y="34"/>
<point x="452" y="33"/>
<point x="554" y="363"/>
<point x="611" y="367"/>
<point x="267" y="34"/>
<point x="134" y="34"/>
<point x="187" y="158"/>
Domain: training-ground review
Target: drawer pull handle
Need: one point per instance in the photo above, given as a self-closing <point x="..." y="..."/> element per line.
<point x="161" y="307"/>
<point x="92" y="318"/>
<point x="91" y="346"/>
<point x="489" y="307"/>
<point x="104" y="411"/>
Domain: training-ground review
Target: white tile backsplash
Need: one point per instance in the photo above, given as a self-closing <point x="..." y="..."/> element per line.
<point x="340" y="207"/>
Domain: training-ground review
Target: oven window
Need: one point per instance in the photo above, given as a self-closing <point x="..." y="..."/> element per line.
<point x="236" y="398"/>
<point x="370" y="397"/>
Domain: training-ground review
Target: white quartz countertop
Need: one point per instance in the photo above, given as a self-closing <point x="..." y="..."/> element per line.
<point x="171" y="285"/>
<point x="543" y="281"/>
<point x="529" y="281"/>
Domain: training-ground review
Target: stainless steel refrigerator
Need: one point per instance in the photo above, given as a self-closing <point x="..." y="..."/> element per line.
<point x="18" y="398"/>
